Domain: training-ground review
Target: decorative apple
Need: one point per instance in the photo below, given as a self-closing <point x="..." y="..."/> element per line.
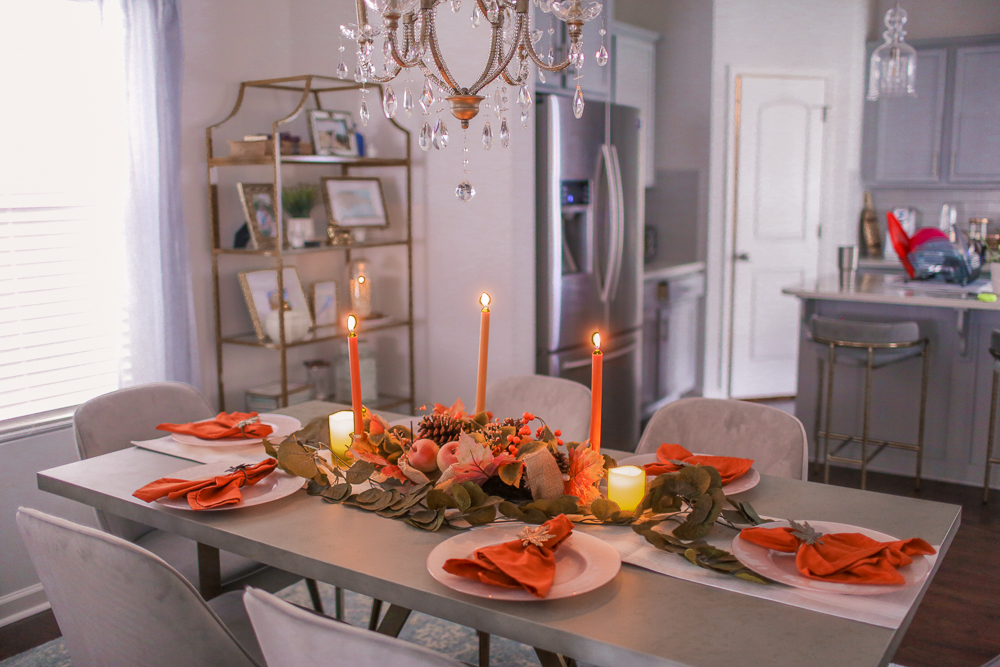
<point x="423" y="455"/>
<point x="447" y="455"/>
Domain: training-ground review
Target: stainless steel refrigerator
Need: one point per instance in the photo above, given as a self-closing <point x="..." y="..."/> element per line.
<point x="588" y="252"/>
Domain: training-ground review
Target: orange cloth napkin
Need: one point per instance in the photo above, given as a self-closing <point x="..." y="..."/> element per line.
<point x="515" y="565"/>
<point x="224" y="425"/>
<point x="203" y="494"/>
<point x="850" y="558"/>
<point x="729" y="467"/>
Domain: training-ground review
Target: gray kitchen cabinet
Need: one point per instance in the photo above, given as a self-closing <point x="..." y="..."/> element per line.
<point x="634" y="63"/>
<point x="908" y="147"/>
<point x="948" y="134"/>
<point x="975" y="127"/>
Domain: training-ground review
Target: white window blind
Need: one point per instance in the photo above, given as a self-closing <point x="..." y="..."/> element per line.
<point x="63" y="330"/>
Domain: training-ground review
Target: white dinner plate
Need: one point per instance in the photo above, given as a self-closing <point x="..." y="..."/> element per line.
<point x="781" y="567"/>
<point x="738" y="485"/>
<point x="282" y="426"/>
<point x="583" y="563"/>
<point x="276" y="485"/>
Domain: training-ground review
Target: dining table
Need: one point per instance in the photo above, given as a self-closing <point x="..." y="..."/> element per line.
<point x="640" y="618"/>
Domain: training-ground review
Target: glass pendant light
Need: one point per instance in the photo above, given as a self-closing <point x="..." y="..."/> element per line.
<point x="893" y="68"/>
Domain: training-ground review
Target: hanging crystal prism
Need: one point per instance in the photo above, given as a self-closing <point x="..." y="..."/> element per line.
<point x="465" y="191"/>
<point x="550" y="57"/>
<point x="475" y="16"/>
<point x="440" y="136"/>
<point x="407" y="101"/>
<point x="427" y="98"/>
<point x="602" y="56"/>
<point x="364" y="111"/>
<point x="359" y="74"/>
<point x="496" y="102"/>
<point x="504" y="133"/>
<point x="576" y="56"/>
<point x="424" y="139"/>
<point x="456" y="5"/>
<point x="524" y="118"/>
<point x="487" y="136"/>
<point x="389" y="102"/>
<point x="578" y="102"/>
<point x="524" y="97"/>
<point x="342" y="71"/>
<point x="541" y="76"/>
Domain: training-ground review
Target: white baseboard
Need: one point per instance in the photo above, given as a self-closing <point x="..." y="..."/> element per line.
<point x="22" y="604"/>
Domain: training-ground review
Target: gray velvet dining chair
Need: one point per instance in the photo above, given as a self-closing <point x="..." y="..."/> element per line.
<point x="774" y="439"/>
<point x="111" y="422"/>
<point x="563" y="404"/>
<point x="120" y="605"/>
<point x="291" y="636"/>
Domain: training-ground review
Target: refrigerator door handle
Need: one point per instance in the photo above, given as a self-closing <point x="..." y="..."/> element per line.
<point x="618" y="214"/>
<point x="605" y="162"/>
<point x="580" y="363"/>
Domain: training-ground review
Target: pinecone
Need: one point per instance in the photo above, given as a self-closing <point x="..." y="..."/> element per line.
<point x="563" y="461"/>
<point x="492" y="431"/>
<point x="439" y="428"/>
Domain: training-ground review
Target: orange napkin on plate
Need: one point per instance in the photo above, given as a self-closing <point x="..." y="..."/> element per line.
<point x="729" y="467"/>
<point x="850" y="558"/>
<point x="225" y="425"/>
<point x="203" y="494"/>
<point x="528" y="562"/>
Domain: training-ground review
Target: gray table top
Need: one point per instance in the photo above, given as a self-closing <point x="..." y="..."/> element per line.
<point x="639" y="618"/>
<point x="892" y="290"/>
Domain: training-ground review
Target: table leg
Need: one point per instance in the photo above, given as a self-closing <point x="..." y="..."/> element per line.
<point x="484" y="648"/>
<point x="395" y="619"/>
<point x="338" y="603"/>
<point x="317" y="601"/>
<point x="550" y="659"/>
<point x="209" y="571"/>
<point x="376" y="612"/>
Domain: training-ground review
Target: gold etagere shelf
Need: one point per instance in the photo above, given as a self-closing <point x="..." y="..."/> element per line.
<point x="306" y="87"/>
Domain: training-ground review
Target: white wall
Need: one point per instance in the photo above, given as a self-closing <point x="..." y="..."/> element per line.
<point x="813" y="36"/>
<point x="933" y="18"/>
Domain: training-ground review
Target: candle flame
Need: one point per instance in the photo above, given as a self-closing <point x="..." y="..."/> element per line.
<point x="361" y="279"/>
<point x="351" y="323"/>
<point x="485" y="300"/>
<point x="597" y="340"/>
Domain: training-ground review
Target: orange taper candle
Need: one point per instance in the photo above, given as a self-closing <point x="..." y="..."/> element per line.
<point x="484" y="349"/>
<point x="596" y="389"/>
<point x="352" y="352"/>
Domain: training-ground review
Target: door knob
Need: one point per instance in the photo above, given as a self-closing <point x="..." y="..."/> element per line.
<point x="742" y="257"/>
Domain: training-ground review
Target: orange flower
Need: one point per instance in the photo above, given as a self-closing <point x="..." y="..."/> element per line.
<point x="586" y="467"/>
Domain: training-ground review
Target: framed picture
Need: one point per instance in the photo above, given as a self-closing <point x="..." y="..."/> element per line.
<point x="354" y="201"/>
<point x="260" y="289"/>
<point x="325" y="303"/>
<point x="333" y="133"/>
<point x="258" y="206"/>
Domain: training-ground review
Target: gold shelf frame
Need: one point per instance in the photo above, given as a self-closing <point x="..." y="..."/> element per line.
<point x="306" y="86"/>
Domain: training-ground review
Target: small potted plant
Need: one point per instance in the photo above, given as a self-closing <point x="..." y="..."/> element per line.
<point x="298" y="203"/>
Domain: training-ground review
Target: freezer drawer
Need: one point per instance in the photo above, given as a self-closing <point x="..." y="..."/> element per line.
<point x="621" y="400"/>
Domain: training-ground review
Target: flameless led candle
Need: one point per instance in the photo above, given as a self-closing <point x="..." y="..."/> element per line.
<point x="596" y="389"/>
<point x="484" y="347"/>
<point x="627" y="486"/>
<point x="352" y="349"/>
<point x="341" y="426"/>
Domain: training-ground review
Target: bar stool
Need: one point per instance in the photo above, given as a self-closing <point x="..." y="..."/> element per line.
<point x="990" y="460"/>
<point x="872" y="345"/>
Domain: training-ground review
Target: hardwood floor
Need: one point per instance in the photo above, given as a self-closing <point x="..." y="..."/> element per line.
<point x="957" y="624"/>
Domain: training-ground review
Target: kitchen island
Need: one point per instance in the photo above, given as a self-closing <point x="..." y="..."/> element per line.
<point x="958" y="326"/>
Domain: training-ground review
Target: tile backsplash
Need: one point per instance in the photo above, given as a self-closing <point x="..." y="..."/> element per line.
<point x="928" y="203"/>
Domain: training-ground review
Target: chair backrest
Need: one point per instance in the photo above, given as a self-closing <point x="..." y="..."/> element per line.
<point x="291" y="636"/>
<point x="774" y="439"/>
<point x="118" y="604"/>
<point x="563" y="404"/>
<point x="112" y="421"/>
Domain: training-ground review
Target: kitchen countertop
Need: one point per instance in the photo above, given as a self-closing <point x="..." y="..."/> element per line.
<point x="672" y="271"/>
<point x="892" y="289"/>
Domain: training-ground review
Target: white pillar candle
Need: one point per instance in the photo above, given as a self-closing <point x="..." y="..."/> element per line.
<point x="627" y="486"/>
<point x="341" y="428"/>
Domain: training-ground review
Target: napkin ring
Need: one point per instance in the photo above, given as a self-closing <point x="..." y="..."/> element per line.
<point x="536" y="536"/>
<point x="242" y="468"/>
<point x="247" y="422"/>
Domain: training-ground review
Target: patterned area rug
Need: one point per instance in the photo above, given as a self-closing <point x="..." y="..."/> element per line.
<point x="448" y="638"/>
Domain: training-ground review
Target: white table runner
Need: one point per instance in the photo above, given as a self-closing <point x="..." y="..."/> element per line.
<point x="887" y="611"/>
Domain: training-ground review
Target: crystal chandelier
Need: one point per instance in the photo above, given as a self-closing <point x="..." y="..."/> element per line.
<point x="512" y="49"/>
<point x="893" y="69"/>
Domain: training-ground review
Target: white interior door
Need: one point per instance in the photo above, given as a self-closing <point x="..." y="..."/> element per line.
<point x="778" y="155"/>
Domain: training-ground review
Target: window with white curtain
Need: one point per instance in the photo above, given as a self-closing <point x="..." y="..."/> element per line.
<point x="63" y="174"/>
